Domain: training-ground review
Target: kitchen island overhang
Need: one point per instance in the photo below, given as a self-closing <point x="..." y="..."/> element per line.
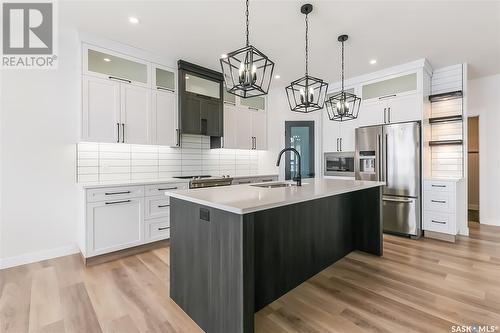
<point x="233" y="250"/>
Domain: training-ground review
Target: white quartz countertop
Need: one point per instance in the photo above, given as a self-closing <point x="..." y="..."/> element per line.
<point x="114" y="183"/>
<point x="244" y="199"/>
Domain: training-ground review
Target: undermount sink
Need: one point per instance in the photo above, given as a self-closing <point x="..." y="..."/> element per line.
<point x="275" y="185"/>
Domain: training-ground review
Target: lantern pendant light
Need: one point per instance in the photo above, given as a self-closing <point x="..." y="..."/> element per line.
<point x="343" y="106"/>
<point x="308" y="93"/>
<point x="247" y="71"/>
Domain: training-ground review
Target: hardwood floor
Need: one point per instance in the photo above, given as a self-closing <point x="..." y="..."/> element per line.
<point x="417" y="286"/>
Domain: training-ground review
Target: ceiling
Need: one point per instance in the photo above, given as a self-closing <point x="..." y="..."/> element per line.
<point x="446" y="33"/>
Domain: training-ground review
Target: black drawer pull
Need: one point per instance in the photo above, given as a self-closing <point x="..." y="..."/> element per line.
<point x="440" y="222"/>
<point x="438" y="185"/>
<point x="266" y="180"/>
<point x="163" y="206"/>
<point x="165" y="89"/>
<point x="387" y="96"/>
<point x="244" y="182"/>
<point x="438" y="201"/>
<point x="119" y="79"/>
<point x="168" y="188"/>
<point x="114" y="193"/>
<point x="163" y="228"/>
<point x="117" y="202"/>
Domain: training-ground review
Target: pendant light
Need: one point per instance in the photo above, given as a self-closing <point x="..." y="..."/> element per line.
<point x="247" y="71"/>
<point x="343" y="106"/>
<point x="308" y="93"/>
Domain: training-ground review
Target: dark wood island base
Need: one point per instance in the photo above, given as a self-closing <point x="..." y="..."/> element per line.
<point x="225" y="266"/>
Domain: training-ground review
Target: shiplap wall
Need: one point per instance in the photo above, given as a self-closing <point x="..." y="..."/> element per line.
<point x="112" y="161"/>
<point x="447" y="161"/>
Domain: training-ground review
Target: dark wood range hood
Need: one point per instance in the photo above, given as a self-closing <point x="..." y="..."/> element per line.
<point x="201" y="100"/>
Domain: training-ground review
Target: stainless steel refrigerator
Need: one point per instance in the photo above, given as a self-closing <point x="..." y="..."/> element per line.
<point x="392" y="153"/>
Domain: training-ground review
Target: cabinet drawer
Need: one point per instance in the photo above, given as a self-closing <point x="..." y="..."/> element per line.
<point x="157" y="229"/>
<point x="439" y="222"/>
<point x="242" y="181"/>
<point x="160" y="189"/>
<point x="265" y="179"/>
<point x="158" y="206"/>
<point x="439" y="186"/>
<point x="439" y="201"/>
<point x="114" y="193"/>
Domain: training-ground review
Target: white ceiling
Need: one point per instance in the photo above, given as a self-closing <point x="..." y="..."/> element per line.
<point x="446" y="33"/>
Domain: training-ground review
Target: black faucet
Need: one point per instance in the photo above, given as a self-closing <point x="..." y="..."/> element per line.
<point x="298" y="177"/>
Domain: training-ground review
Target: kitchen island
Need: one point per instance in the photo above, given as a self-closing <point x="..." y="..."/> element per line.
<point x="235" y="249"/>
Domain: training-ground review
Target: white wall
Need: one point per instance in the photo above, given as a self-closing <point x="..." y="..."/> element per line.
<point x="484" y="101"/>
<point x="278" y="113"/>
<point x="40" y="119"/>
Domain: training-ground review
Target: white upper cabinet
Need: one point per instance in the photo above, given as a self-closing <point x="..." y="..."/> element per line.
<point x="404" y="108"/>
<point x="164" y="78"/>
<point x="254" y="103"/>
<point x="390" y="88"/>
<point x="230" y="126"/>
<point x="165" y="122"/>
<point x="244" y="133"/>
<point x="259" y="129"/>
<point x="135" y="114"/>
<point x="115" y="66"/>
<point x="101" y="110"/>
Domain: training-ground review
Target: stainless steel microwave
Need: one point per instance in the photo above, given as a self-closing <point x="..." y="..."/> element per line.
<point x="339" y="164"/>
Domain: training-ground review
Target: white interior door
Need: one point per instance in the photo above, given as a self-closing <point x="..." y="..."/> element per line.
<point x="135" y="114"/>
<point x="230" y="126"/>
<point x="259" y="129"/>
<point x="101" y="110"/>
<point x="114" y="225"/>
<point x="244" y="129"/>
<point x="165" y="118"/>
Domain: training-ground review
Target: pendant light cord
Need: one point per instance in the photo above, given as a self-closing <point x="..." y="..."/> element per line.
<point x="248" y="23"/>
<point x="342" y="66"/>
<point x="307" y="46"/>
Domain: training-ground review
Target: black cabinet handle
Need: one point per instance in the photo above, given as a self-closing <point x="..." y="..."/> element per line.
<point x="433" y="185"/>
<point x="438" y="201"/>
<point x="118" y="128"/>
<point x="119" y="79"/>
<point x="163" y="206"/>
<point x="385" y="115"/>
<point x="440" y="222"/>
<point x="165" y="89"/>
<point x="387" y="96"/>
<point x="117" y="202"/>
<point x="244" y="182"/>
<point x="168" y="188"/>
<point x="340" y="144"/>
<point x="163" y="228"/>
<point x="266" y="180"/>
<point x="389" y="115"/>
<point x="178" y="144"/>
<point x="123" y="133"/>
<point x="114" y="193"/>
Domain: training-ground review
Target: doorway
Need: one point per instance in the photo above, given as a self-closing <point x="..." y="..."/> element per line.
<point x="300" y="135"/>
<point x="473" y="167"/>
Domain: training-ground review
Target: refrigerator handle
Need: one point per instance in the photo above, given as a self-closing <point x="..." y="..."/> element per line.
<point x="379" y="158"/>
<point x="386" y="179"/>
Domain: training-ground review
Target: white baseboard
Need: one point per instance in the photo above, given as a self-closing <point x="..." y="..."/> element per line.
<point x="38" y="256"/>
<point x="489" y="222"/>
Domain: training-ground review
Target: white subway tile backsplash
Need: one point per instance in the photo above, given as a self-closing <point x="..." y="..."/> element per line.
<point x="108" y="161"/>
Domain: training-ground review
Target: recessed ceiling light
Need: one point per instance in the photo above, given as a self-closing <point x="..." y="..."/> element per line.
<point x="187" y="77"/>
<point x="107" y="59"/>
<point x="373" y="62"/>
<point x="223" y="56"/>
<point x="133" y="20"/>
<point x="277" y="76"/>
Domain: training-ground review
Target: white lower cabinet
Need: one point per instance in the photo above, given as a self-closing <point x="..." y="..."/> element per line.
<point x="440" y="209"/>
<point x="121" y="217"/>
<point x="114" y="225"/>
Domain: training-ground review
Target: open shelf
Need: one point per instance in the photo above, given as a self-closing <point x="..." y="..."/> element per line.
<point x="445" y="142"/>
<point x="446" y="119"/>
<point x="445" y="96"/>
